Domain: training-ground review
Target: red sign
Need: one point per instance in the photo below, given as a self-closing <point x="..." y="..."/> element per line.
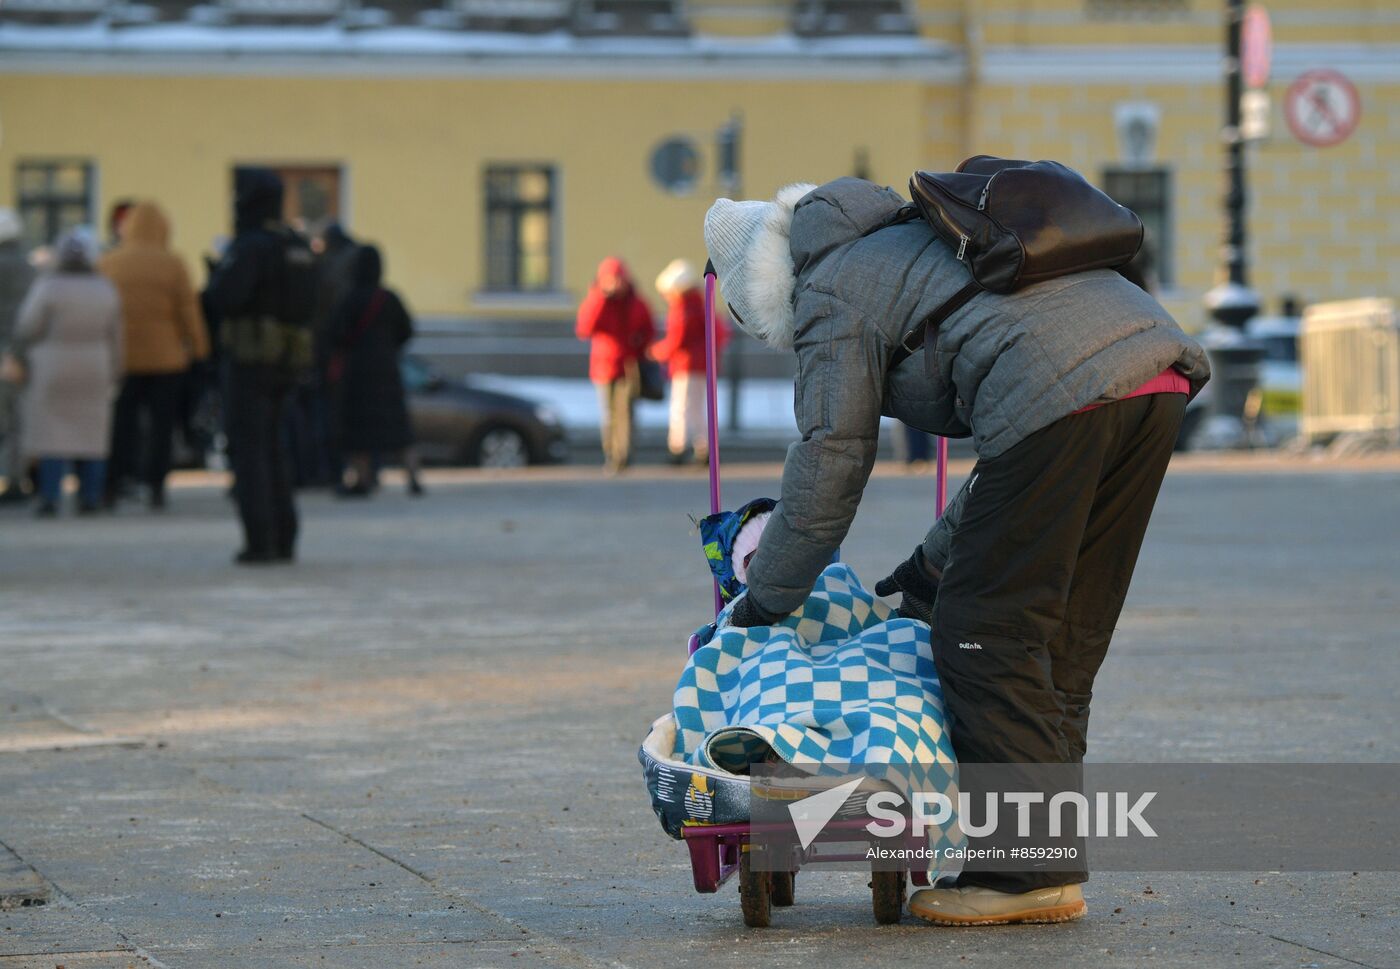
<point x="1322" y="108"/>
<point x="1256" y="46"/>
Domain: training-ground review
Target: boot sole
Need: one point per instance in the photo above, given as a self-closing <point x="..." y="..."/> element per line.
<point x="1035" y="916"/>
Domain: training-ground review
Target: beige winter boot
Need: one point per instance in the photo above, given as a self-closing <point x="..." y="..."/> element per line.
<point x="985" y="906"/>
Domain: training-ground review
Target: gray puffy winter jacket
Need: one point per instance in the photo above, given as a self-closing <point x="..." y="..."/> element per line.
<point x="1005" y="365"/>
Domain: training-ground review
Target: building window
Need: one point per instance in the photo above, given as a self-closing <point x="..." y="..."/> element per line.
<point x="273" y="12"/>
<point x="310" y="195"/>
<point x="511" y="16"/>
<point x="1147" y="191"/>
<point x="1137" y="9"/>
<point x="636" y="18"/>
<point x="53" y="196"/>
<point x="520" y="228"/>
<point x="835" y="18"/>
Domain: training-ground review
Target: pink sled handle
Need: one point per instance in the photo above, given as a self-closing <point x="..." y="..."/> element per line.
<point x="711" y="404"/>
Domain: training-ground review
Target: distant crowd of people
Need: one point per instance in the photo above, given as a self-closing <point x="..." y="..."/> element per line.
<point x="290" y="354"/>
<point x="617" y="322"/>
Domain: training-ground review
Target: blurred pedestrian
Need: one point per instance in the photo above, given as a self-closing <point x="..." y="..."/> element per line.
<point x="263" y="295"/>
<point x="915" y="447"/>
<point x="618" y="325"/>
<point x="16" y="275"/>
<point x="69" y="343"/>
<point x="367" y="334"/>
<point x="683" y="351"/>
<point x="316" y="448"/>
<point x="335" y="263"/>
<point x="164" y="334"/>
<point x="116" y="215"/>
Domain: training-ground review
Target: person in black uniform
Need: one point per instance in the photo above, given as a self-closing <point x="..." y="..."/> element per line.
<point x="263" y="293"/>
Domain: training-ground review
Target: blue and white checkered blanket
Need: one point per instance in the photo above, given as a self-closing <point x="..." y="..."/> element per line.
<point x="843" y="681"/>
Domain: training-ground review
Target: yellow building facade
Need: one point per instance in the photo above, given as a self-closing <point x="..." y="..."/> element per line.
<point x="497" y="161"/>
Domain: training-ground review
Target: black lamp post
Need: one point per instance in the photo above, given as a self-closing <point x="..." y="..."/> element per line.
<point x="1234" y="357"/>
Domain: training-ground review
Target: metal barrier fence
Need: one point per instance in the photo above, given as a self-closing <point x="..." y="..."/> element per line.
<point x="1350" y="354"/>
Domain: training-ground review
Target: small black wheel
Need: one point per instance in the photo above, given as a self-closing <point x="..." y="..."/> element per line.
<point x="887" y="896"/>
<point x="755" y="894"/>
<point x="783" y="887"/>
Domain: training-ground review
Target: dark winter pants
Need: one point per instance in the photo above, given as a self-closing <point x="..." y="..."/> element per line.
<point x="157" y="396"/>
<point x="1038" y="567"/>
<point x="254" y="400"/>
<point x="314" y="438"/>
<point x="90" y="480"/>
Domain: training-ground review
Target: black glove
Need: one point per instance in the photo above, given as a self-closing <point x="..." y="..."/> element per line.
<point x="747" y="613"/>
<point x="917" y="582"/>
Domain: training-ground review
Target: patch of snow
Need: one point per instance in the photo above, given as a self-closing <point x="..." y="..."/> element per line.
<point x="764" y="405"/>
<point x="333" y="38"/>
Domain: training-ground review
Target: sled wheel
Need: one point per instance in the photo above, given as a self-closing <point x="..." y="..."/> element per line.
<point x="755" y="894"/>
<point x="887" y="896"/>
<point x="783" y="887"/>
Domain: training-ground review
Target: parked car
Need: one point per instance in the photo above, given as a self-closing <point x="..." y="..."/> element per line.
<point x="1280" y="374"/>
<point x="1280" y="385"/>
<point x="455" y="422"/>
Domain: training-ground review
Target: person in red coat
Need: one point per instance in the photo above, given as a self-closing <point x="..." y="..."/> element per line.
<point x="618" y="324"/>
<point x="683" y="351"/>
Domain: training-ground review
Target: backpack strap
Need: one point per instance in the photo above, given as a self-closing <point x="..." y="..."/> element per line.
<point x="908" y="212"/>
<point x="918" y="336"/>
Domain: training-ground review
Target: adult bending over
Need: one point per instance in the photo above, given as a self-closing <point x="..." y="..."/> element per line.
<point x="1072" y="391"/>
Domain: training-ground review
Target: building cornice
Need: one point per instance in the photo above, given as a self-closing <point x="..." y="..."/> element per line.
<point x="329" y="51"/>
<point x="332" y="51"/>
<point x="1174" y="63"/>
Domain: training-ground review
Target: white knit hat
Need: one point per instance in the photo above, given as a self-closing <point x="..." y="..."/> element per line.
<point x="748" y="243"/>
<point x="10" y="225"/>
<point x="678" y="277"/>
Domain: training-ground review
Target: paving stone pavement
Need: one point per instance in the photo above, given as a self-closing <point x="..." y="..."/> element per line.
<point x="417" y="746"/>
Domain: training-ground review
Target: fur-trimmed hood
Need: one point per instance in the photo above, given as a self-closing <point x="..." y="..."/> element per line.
<point x="749" y="243"/>
<point x="837" y="213"/>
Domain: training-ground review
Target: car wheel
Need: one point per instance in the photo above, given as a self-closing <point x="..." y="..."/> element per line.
<point x="501" y="447"/>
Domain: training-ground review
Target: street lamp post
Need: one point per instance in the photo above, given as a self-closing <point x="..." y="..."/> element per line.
<point x="1234" y="357"/>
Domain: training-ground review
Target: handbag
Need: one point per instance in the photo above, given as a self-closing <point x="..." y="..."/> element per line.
<point x="651" y="382"/>
<point x="335" y="366"/>
<point x="1014" y="223"/>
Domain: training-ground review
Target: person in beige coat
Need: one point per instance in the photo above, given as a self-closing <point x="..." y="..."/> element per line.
<point x="165" y="334"/>
<point x="68" y="339"/>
